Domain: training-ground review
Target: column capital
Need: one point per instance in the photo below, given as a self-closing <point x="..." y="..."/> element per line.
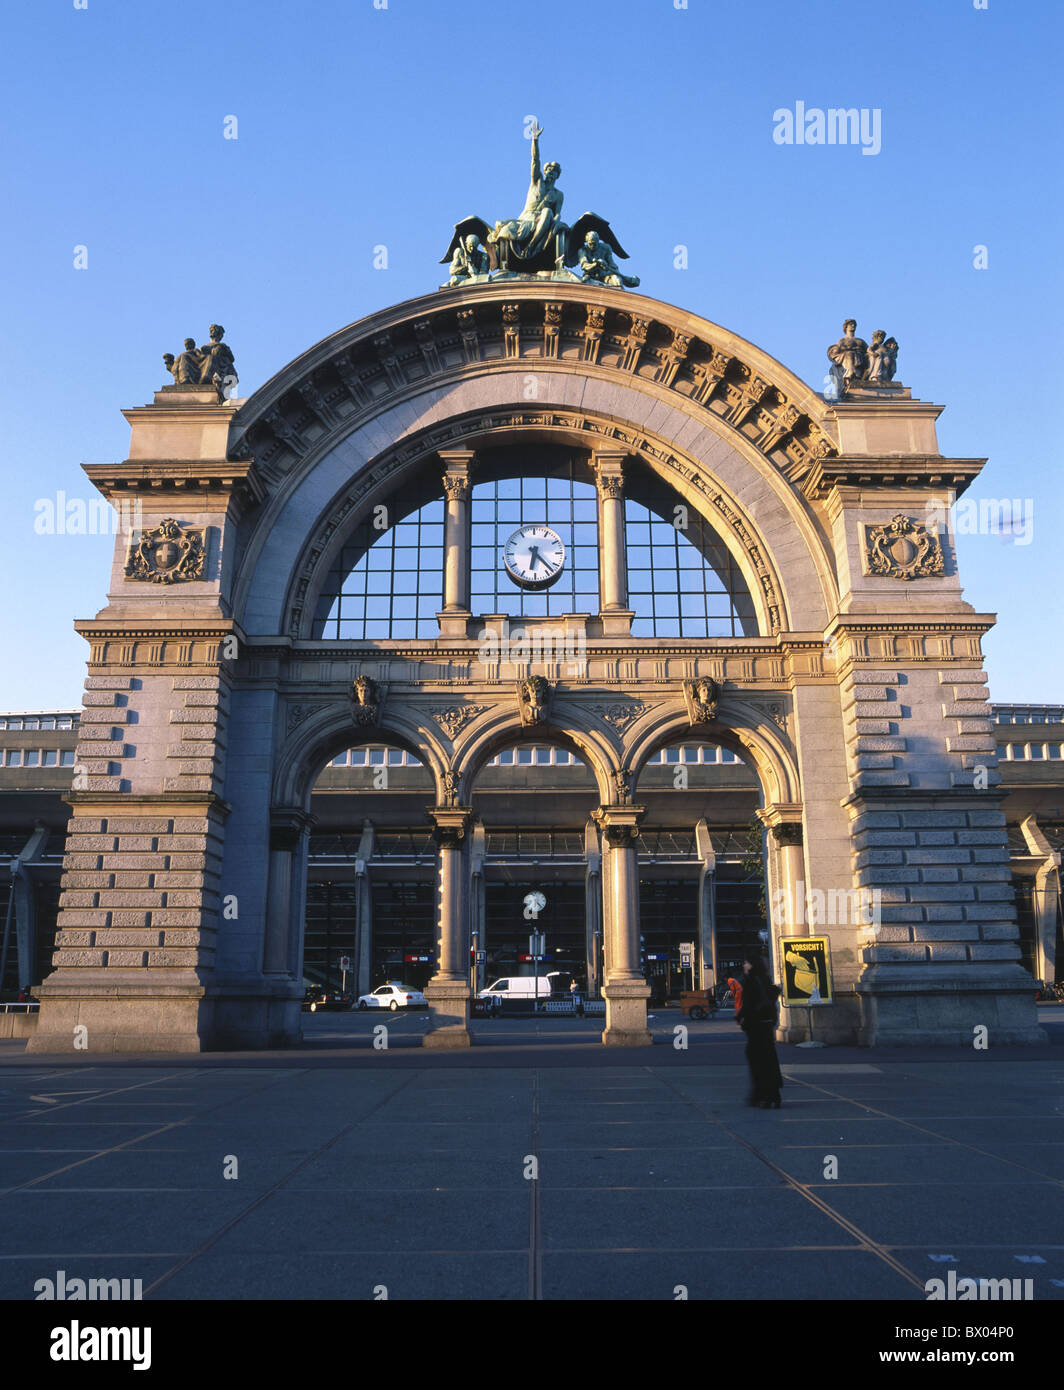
<point x="450" y="824"/>
<point x="784" y="820"/>
<point x="288" y="824"/>
<point x="608" y="467"/>
<point x="619" y="824"/>
<point x="458" y="467"/>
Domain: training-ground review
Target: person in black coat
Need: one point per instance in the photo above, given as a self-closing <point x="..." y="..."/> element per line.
<point x="757" y="1018"/>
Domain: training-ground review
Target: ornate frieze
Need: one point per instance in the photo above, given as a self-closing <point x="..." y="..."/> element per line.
<point x="167" y="554"/>
<point x="452" y="719"/>
<point x="299" y="713"/>
<point x="902" y="549"/>
<point x="619" y="714"/>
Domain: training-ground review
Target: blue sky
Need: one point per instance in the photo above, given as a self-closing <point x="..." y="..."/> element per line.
<point x="360" y="126"/>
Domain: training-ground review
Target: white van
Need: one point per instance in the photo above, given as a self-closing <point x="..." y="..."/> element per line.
<point x="522" y="987"/>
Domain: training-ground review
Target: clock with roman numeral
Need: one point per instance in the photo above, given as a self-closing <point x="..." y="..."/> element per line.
<point x="534" y="557"/>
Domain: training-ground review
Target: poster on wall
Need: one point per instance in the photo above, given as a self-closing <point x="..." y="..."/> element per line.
<point x="805" y="962"/>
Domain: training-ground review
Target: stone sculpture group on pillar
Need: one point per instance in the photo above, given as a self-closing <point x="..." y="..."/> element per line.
<point x="853" y="361"/>
<point x="537" y="241"/>
<point x="209" y="365"/>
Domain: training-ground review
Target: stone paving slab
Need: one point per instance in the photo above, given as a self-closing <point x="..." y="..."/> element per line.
<point x="410" y="1171"/>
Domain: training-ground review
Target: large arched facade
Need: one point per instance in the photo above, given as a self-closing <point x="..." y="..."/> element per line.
<point x="856" y="694"/>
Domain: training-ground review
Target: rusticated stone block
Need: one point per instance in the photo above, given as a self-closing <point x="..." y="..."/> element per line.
<point x="995" y="892"/>
<point x="122" y="861"/>
<point x="127" y="917"/>
<point x="127" y="959"/>
<point x="901" y="912"/>
<point x="195" y="683"/>
<point x="987" y="819"/>
<point x="103" y="716"/>
<point x="78" y="897"/>
<point x="174" y="959"/>
<point x="938" y="875"/>
<point x="988" y="912"/>
<point x="194" y="861"/>
<point x="1001" y="951"/>
<point x="938" y="856"/>
<point x="948" y="952"/>
<point x="187" y="784"/>
<point x="942" y="931"/>
<point x="208" y="699"/>
<point x="134" y="898"/>
<point x="937" y="837"/>
<point x="895" y="953"/>
<point x="954" y="893"/>
<point x="111" y="683"/>
<point x="90" y="959"/>
<point x="139" y="825"/>
<point x="83" y="844"/>
<point x="174" y="917"/>
<point x="132" y="880"/>
<point x="85" y="917"/>
<point x="987" y="873"/>
<point x="75" y="936"/>
<point x="137" y="844"/>
<point x="185" y="936"/>
<point x="178" y="897"/>
<point x="194" y="825"/>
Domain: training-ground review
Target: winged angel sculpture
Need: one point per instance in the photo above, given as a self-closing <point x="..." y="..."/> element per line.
<point x="537" y="241"/>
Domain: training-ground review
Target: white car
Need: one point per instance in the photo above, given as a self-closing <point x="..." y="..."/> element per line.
<point x="393" y="996"/>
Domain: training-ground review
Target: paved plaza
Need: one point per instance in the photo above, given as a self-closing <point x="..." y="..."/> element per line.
<point x="535" y="1165"/>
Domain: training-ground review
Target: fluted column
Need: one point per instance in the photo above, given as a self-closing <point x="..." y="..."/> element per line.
<point x="616" y="616"/>
<point x="626" y="991"/>
<point x="457" y="484"/>
<point x="448" y="990"/>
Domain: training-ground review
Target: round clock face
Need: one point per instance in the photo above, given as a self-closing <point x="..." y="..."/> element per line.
<point x="535" y="901"/>
<point x="534" y="557"/>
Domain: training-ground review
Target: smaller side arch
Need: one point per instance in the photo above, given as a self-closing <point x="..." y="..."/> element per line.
<point x="740" y="726"/>
<point x="306" y="751"/>
<point x="565" y="728"/>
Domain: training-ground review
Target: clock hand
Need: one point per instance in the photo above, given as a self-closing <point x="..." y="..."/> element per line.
<point x="534" y="557"/>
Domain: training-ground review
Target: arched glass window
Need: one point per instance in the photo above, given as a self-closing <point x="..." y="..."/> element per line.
<point x="386" y="583"/>
<point x="567" y="506"/>
<point x="682" y="579"/>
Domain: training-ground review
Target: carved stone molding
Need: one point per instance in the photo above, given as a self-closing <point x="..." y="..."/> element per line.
<point x="167" y="554"/>
<point x="299" y="713"/>
<point x="453" y="718"/>
<point x="618" y="715"/>
<point x="580" y="327"/>
<point x="902" y="549"/>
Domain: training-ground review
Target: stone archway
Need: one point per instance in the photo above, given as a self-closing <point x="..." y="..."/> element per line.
<point x="861" y="700"/>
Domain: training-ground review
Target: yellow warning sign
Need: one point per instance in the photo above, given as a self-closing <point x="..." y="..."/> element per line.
<point x="806" y="968"/>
